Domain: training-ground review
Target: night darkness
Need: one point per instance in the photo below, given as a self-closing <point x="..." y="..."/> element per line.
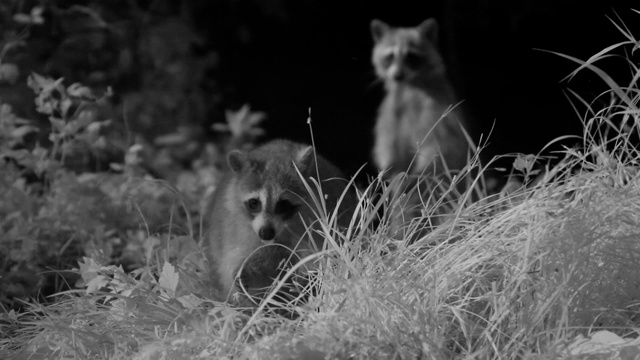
<point x="316" y="54"/>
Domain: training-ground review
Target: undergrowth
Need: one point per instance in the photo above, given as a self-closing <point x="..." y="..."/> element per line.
<point x="526" y="272"/>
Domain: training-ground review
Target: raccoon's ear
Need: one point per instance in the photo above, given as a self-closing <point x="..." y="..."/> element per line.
<point x="428" y="29"/>
<point x="236" y="160"/>
<point x="304" y="158"/>
<point x="378" y="29"/>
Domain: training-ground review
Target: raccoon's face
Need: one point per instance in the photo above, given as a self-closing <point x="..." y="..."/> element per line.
<point x="269" y="208"/>
<point x="406" y="54"/>
<point x="270" y="194"/>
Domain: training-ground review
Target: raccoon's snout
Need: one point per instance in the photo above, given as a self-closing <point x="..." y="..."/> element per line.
<point x="395" y="72"/>
<point x="398" y="75"/>
<point x="267" y="233"/>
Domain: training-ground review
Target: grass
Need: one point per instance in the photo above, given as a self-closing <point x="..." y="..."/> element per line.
<point x="522" y="273"/>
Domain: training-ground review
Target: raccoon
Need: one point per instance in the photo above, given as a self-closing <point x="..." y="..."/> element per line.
<point x="418" y="132"/>
<point x="261" y="216"/>
<point x="409" y="135"/>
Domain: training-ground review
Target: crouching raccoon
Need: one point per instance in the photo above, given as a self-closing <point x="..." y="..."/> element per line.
<point x="262" y="219"/>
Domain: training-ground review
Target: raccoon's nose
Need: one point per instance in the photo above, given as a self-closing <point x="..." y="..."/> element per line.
<point x="267" y="233"/>
<point x="398" y="75"/>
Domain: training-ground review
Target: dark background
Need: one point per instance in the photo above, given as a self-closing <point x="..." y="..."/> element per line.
<point x="294" y="55"/>
<point x="178" y="66"/>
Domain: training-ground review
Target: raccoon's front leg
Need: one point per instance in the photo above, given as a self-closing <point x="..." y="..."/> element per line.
<point x="385" y="149"/>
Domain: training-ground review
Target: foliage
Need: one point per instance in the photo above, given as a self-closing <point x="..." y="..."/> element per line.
<point x="80" y="170"/>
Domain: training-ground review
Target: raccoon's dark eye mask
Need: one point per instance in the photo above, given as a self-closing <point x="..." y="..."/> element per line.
<point x="286" y="208"/>
<point x="414" y="59"/>
<point x="253" y="205"/>
<point x="387" y="59"/>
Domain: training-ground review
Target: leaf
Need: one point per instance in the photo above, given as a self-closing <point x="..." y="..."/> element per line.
<point x="97" y="283"/>
<point x="21" y="18"/>
<point x="95" y="127"/>
<point x="606" y="337"/>
<point x="77" y="90"/>
<point x="52" y="85"/>
<point x="243" y="122"/>
<point x="169" y="279"/>
<point x="65" y="105"/>
<point x="33" y="18"/>
<point x="44" y="107"/>
<point x="23" y="130"/>
<point x="121" y="281"/>
<point x="601" y="344"/>
<point x="190" y="301"/>
<point x="524" y="163"/>
<point x="36" y="82"/>
<point x="89" y="269"/>
<point x="36" y="15"/>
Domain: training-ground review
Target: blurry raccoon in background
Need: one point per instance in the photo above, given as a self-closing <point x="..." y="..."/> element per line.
<point x="418" y="126"/>
<point x="259" y="214"/>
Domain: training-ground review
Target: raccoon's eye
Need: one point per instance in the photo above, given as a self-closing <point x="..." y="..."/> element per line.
<point x="253" y="205"/>
<point x="286" y="208"/>
<point x="413" y="60"/>
<point x="387" y="59"/>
